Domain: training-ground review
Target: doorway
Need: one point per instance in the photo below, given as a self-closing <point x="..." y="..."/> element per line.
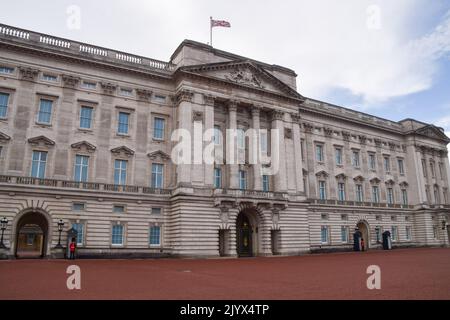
<point x="31" y="236"/>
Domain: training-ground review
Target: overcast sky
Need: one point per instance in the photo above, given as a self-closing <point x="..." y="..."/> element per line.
<point x="387" y="58"/>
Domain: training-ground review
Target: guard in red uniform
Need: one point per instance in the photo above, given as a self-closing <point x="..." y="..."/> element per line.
<point x="72" y="248"/>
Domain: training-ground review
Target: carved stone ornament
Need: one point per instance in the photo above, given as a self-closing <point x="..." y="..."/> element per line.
<point x="362" y="139"/>
<point x="70" y="81"/>
<point x="328" y="131"/>
<point x="108" y="87"/>
<point x="346" y="135"/>
<point x="288" y="133"/>
<point x="378" y="142"/>
<point x="158" y="155"/>
<point x="41" y="140"/>
<point x="308" y="127"/>
<point x="123" y="150"/>
<point x="197" y="116"/>
<point x="277" y="115"/>
<point x="296" y="118"/>
<point x="4" y="137"/>
<point x="184" y="95"/>
<point x="28" y="74"/>
<point x="144" y="94"/>
<point x="83" y="145"/>
<point x="244" y="76"/>
<point x="208" y="100"/>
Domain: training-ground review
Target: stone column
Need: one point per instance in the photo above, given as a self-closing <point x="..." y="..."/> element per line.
<point x="297" y="152"/>
<point x="257" y="177"/>
<point x="446" y="163"/>
<point x="420" y="178"/>
<point x="280" y="183"/>
<point x="184" y="116"/>
<point x="233" y="167"/>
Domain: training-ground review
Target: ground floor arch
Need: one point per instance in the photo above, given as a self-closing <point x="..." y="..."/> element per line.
<point x="32" y="234"/>
<point x="248" y="233"/>
<point x="363" y="227"/>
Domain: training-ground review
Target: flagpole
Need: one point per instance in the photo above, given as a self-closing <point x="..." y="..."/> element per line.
<point x="210" y="31"/>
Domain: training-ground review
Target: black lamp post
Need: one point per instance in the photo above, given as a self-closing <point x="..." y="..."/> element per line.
<point x="4" y="223"/>
<point x="60" y="229"/>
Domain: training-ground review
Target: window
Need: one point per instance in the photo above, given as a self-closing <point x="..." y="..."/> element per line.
<point x="441" y="170"/>
<point x="379" y="218"/>
<point x="6" y="70"/>
<point x="338" y="154"/>
<point x="424" y="167"/>
<point x="394" y="233"/>
<point x="324" y="234"/>
<point x="155" y="235"/>
<point x="39" y="161"/>
<point x="444" y="191"/>
<point x="240" y="138"/>
<point x="160" y="98"/>
<point x="344" y="234"/>
<point x="437" y="198"/>
<point x="404" y="197"/>
<point x="341" y="191"/>
<point x="322" y="190"/>
<point x="401" y="167"/>
<point x="120" y="172"/>
<point x="265" y="183"/>
<point x="217" y="135"/>
<point x="387" y="164"/>
<point x="217" y="178"/>
<point x="433" y="172"/>
<point x="379" y="233"/>
<point x="344" y="217"/>
<point x="117" y="234"/>
<point x="436" y="232"/>
<point x="324" y="216"/>
<point x="390" y="196"/>
<point x="408" y="233"/>
<point x="86" y="117"/>
<point x="78" y="207"/>
<point x="88" y="85"/>
<point x="4" y="99"/>
<point x="355" y="159"/>
<point x="126" y="92"/>
<point x="81" y="168"/>
<point x="49" y="77"/>
<point x="119" y="209"/>
<point x="156" y="211"/>
<point x="375" y="194"/>
<point x="30" y="239"/>
<point x="359" y="193"/>
<point x="123" y="122"/>
<point x="158" y="128"/>
<point x="372" y="161"/>
<point x="319" y="152"/>
<point x="45" y="111"/>
<point x="157" y="175"/>
<point x="264" y="144"/>
<point x="427" y="192"/>
<point x="242" y="180"/>
<point x="79" y="227"/>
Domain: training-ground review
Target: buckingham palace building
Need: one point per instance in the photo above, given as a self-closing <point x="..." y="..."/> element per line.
<point x="93" y="148"/>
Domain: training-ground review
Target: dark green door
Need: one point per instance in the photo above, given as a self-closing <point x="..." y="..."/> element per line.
<point x="244" y="237"/>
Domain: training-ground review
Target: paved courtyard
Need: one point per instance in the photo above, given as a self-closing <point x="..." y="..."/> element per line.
<point x="405" y="274"/>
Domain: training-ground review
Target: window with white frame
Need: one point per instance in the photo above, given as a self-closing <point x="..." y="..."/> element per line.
<point x="217" y="135"/>
<point x="324" y="234"/>
<point x="322" y="190"/>
<point x="118" y="208"/>
<point x="390" y="195"/>
<point x="401" y="166"/>
<point x="265" y="183"/>
<point x="359" y="193"/>
<point x="6" y="70"/>
<point x="126" y="92"/>
<point x="156" y="210"/>
<point x="394" y="233"/>
<point x="157" y="175"/>
<point x="441" y="170"/>
<point x="338" y="156"/>
<point x="117" y="235"/>
<point x="155" y="236"/>
<point x="433" y="171"/>
<point x="88" y="85"/>
<point x="341" y="191"/>
<point x="45" y="111"/>
<point x="424" y="167"/>
<point x="387" y="163"/>
<point x="240" y="139"/>
<point x="355" y="159"/>
<point x="120" y="172"/>
<point x="217" y="178"/>
<point x="78" y="206"/>
<point x="38" y="164"/>
<point x="437" y="198"/>
<point x="79" y="227"/>
<point x="372" y="161"/>
<point x="242" y="180"/>
<point x="49" y="77"/>
<point x="81" y="168"/>
<point x="158" y="128"/>
<point x="379" y="234"/>
<point x="4" y="100"/>
<point x="375" y="194"/>
<point x="263" y="141"/>
<point x="86" y="117"/>
<point x="408" y="233"/>
<point x="404" y="197"/>
<point x="344" y="234"/>
<point x="319" y="153"/>
<point x="123" y="123"/>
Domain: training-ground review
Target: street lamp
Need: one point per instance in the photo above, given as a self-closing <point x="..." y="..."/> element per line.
<point x="4" y="223"/>
<point x="60" y="229"/>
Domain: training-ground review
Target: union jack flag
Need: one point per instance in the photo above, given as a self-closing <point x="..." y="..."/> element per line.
<point x="220" y="23"/>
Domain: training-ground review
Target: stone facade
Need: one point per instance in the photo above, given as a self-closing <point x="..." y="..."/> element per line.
<point x="86" y="138"/>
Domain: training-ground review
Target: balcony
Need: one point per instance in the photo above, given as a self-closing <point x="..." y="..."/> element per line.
<point x="331" y="202"/>
<point x="75" y="185"/>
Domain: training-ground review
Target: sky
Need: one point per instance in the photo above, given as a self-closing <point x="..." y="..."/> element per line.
<point x="387" y="58"/>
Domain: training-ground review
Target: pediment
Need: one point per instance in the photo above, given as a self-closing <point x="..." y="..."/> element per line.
<point x="358" y="178"/>
<point x="41" y="140"/>
<point x="83" y="145"/>
<point x="244" y="73"/>
<point x="123" y="150"/>
<point x="4" y="137"/>
<point x="322" y="174"/>
<point x="158" y="155"/>
<point x="433" y="132"/>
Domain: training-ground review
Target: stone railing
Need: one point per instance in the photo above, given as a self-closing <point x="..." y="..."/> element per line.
<point x="89" y="186"/>
<point x="360" y="204"/>
<point x="80" y="49"/>
<point x="251" y="194"/>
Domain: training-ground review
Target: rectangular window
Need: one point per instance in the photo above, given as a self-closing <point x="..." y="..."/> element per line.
<point x="78" y="207"/>
<point x="387" y="164"/>
<point x="45" y="111"/>
<point x="341" y="191"/>
<point x="344" y="234"/>
<point x="6" y="70"/>
<point x="355" y="159"/>
<point x="372" y="161"/>
<point x="324" y="234"/>
<point x="319" y="153"/>
<point x="117" y="234"/>
<point x="424" y="167"/>
<point x="81" y="168"/>
<point x="123" y="122"/>
<point x="404" y="197"/>
<point x="408" y="233"/>
<point x="79" y="227"/>
<point x="338" y="153"/>
<point x="118" y="209"/>
<point x="265" y="183"/>
<point x="401" y="167"/>
<point x="322" y="190"/>
<point x="49" y="77"/>
<point x="158" y="128"/>
<point x="217" y="135"/>
<point x="394" y="233"/>
<point x="39" y="161"/>
<point x="86" y="117"/>
<point x="390" y="196"/>
<point x="264" y="144"/>
<point x="444" y="191"/>
<point x="89" y="85"/>
<point x="156" y="211"/>
<point x="157" y="176"/>
<point x="4" y="100"/>
<point x="436" y="232"/>
<point x="433" y="172"/>
<point x="155" y="235"/>
<point x="359" y="193"/>
<point x="160" y="98"/>
<point x="120" y="172"/>
<point x="375" y="194"/>
<point x="126" y="92"/>
<point x="379" y="234"/>
<point x="242" y="180"/>
<point x="437" y="198"/>
<point x="241" y="139"/>
<point x="217" y="178"/>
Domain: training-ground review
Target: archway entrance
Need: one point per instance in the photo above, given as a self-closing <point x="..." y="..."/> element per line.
<point x="31" y="236"/>
<point x="364" y="229"/>
<point x="247" y="234"/>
